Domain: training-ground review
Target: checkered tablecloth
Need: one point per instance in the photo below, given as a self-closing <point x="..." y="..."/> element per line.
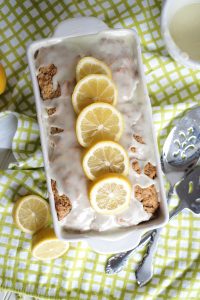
<point x="80" y="273"/>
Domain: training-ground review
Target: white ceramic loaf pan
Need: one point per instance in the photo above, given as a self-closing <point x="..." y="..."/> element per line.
<point x="124" y="238"/>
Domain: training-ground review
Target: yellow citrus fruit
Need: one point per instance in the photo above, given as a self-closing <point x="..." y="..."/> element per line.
<point x="2" y="79"/>
<point x="99" y="121"/>
<point x="91" y="65"/>
<point x="105" y="157"/>
<point x="45" y="245"/>
<point x="110" y="194"/>
<point x="31" y="213"/>
<point x="94" y="88"/>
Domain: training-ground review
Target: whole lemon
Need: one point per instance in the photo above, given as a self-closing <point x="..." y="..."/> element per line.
<point x="2" y="79"/>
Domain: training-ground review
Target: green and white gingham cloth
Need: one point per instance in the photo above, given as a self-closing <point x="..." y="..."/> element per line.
<point x="79" y="274"/>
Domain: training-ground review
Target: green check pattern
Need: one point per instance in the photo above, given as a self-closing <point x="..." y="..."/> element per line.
<point x="172" y="88"/>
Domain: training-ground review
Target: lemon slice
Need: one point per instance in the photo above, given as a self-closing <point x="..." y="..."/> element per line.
<point x="91" y="65"/>
<point x="94" y="88"/>
<point x="110" y="194"/>
<point x="45" y="245"/>
<point x="99" y="121"/>
<point x="105" y="157"/>
<point x="2" y="79"/>
<point x="31" y="213"/>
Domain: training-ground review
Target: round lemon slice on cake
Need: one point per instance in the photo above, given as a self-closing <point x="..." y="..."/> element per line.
<point x="99" y="121"/>
<point x="45" y="245"/>
<point x="90" y="65"/>
<point x="94" y="88"/>
<point x="110" y="194"/>
<point x="105" y="157"/>
<point x="31" y="213"/>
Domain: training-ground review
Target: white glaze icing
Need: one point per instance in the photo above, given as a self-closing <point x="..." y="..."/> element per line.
<point x="120" y="54"/>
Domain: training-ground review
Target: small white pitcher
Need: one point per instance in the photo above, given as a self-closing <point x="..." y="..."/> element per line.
<point x="170" y="8"/>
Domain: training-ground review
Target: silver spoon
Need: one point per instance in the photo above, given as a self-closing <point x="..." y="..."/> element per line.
<point x="174" y="173"/>
<point x="188" y="190"/>
<point x="183" y="152"/>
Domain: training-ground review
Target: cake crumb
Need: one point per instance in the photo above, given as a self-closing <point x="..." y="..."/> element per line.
<point x="62" y="203"/>
<point x="150" y="170"/>
<point x="139" y="138"/>
<point x="51" y="111"/>
<point x="136" y="166"/>
<point x="133" y="149"/>
<point x="56" y="130"/>
<point x="45" y="77"/>
<point x="148" y="197"/>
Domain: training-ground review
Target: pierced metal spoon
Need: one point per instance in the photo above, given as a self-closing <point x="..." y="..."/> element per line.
<point x="174" y="173"/>
<point x="181" y="150"/>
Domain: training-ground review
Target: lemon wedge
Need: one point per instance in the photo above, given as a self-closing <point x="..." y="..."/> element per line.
<point x="94" y="88"/>
<point x="2" y="79"/>
<point x="105" y="157"/>
<point x="99" y="121"/>
<point x="90" y="65"/>
<point x="31" y="213"/>
<point x="110" y="194"/>
<point x="45" y="245"/>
